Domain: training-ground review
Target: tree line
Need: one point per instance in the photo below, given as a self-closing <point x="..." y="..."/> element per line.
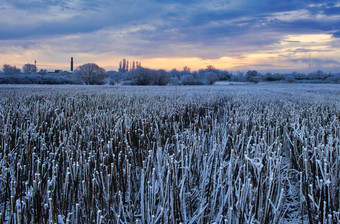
<point x="92" y="74"/>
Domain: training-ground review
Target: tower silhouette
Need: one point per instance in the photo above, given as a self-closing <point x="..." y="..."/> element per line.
<point x="71" y="64"/>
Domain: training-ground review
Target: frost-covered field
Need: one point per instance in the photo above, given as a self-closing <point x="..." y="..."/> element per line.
<point x="225" y="154"/>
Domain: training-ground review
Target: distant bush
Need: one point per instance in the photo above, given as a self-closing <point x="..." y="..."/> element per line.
<point x="174" y="81"/>
<point x="145" y="76"/>
<point x="300" y="76"/>
<point x="239" y="77"/>
<point x="175" y="74"/>
<point x="252" y="76"/>
<point x="190" y="80"/>
<point x="211" y="78"/>
<point x="289" y="78"/>
<point x="223" y="75"/>
<point x="273" y="77"/>
<point x="333" y="78"/>
<point x="38" y="79"/>
<point x="42" y="72"/>
<point x="114" y="77"/>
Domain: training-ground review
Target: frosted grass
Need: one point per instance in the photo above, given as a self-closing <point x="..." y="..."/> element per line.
<point x="224" y="154"/>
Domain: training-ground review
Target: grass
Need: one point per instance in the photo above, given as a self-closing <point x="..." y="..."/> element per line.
<point x="225" y="154"/>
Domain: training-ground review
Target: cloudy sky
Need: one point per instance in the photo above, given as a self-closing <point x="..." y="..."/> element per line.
<point x="238" y="35"/>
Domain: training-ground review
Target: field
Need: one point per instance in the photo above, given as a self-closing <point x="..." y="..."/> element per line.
<point x="266" y="153"/>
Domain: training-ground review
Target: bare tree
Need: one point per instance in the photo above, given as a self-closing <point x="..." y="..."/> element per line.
<point x="10" y="70"/>
<point x="162" y="78"/>
<point x="29" y="68"/>
<point x="91" y="74"/>
<point x="211" y="68"/>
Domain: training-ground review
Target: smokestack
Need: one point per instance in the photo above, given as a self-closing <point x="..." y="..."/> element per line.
<point x="71" y="64"/>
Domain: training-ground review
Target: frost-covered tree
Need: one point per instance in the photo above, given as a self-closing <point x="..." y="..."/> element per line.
<point x="190" y="80"/>
<point x="223" y="75"/>
<point x="162" y="78"/>
<point x="42" y="72"/>
<point x="145" y="76"/>
<point x="251" y="76"/>
<point x="29" y="68"/>
<point x="10" y="70"/>
<point x="211" y="78"/>
<point x="90" y="74"/>
<point x="115" y="77"/>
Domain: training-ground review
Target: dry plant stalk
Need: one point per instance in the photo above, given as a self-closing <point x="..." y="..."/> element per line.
<point x="168" y="155"/>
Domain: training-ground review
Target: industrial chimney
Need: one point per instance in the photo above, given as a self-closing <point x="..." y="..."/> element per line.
<point x="71" y="64"/>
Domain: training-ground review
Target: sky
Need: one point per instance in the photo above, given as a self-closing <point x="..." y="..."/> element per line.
<point x="235" y="35"/>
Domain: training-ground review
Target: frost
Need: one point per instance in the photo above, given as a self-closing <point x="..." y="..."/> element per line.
<point x="248" y="154"/>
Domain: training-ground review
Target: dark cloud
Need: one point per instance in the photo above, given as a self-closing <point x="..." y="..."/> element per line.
<point x="303" y="26"/>
<point x="194" y="16"/>
<point x="48" y="29"/>
<point x="206" y="26"/>
<point x="316" y="62"/>
<point x="305" y="50"/>
<point x="50" y="18"/>
<point x="311" y="64"/>
<point x="336" y="34"/>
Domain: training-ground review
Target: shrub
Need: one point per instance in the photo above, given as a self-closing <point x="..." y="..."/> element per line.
<point x="273" y="77"/>
<point x="224" y="75"/>
<point x="115" y="77"/>
<point x="252" y="76"/>
<point x="290" y="78"/>
<point x="38" y="79"/>
<point x="190" y="80"/>
<point x="145" y="76"/>
<point x="211" y="78"/>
